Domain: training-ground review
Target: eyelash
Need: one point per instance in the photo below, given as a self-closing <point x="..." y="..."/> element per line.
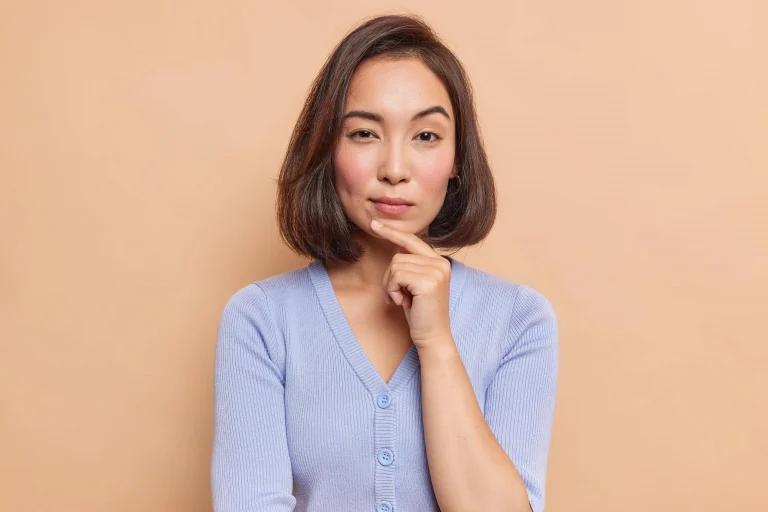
<point x="353" y="135"/>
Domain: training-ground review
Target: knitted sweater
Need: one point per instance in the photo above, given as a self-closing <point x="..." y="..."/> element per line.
<point x="304" y="422"/>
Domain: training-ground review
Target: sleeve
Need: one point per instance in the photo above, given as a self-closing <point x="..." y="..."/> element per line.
<point x="250" y="464"/>
<point x="520" y="400"/>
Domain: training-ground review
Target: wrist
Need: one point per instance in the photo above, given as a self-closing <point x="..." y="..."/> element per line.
<point x="439" y="347"/>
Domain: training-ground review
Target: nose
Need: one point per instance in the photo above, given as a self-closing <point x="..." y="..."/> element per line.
<point x="395" y="167"/>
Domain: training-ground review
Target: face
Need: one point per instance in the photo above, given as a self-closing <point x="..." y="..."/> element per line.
<point x="397" y="141"/>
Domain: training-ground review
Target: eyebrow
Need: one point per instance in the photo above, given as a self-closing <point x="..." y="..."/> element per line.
<point x="364" y="114"/>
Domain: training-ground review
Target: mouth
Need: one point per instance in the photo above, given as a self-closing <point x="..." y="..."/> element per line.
<point x="389" y="206"/>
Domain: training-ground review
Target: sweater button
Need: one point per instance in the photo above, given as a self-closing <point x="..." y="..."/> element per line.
<point x="384" y="506"/>
<point x="385" y="457"/>
<point x="384" y="400"/>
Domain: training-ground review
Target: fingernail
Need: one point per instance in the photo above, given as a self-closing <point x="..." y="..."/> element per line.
<point x="376" y="224"/>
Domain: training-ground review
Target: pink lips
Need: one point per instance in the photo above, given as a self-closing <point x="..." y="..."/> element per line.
<point x="391" y="208"/>
<point x="392" y="205"/>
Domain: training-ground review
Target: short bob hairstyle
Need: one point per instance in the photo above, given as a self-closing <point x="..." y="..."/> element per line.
<point x="310" y="216"/>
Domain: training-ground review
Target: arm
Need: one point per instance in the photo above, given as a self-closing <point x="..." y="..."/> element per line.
<point x="520" y="402"/>
<point x="496" y="462"/>
<point x="250" y="464"/>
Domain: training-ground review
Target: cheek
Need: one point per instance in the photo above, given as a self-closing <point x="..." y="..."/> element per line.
<point x="436" y="171"/>
<point x="352" y="170"/>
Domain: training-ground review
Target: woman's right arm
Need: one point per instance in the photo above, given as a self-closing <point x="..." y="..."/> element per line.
<point x="250" y="465"/>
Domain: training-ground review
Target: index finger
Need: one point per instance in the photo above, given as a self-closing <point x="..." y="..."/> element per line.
<point x="408" y="241"/>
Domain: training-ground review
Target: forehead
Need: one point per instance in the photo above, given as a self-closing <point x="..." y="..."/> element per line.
<point x="388" y="86"/>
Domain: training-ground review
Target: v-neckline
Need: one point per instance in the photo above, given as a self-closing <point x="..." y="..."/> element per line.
<point x="353" y="351"/>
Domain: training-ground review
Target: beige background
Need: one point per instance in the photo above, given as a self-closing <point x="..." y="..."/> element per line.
<point x="139" y="143"/>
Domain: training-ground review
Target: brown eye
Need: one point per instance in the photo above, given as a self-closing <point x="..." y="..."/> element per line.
<point x="362" y="134"/>
<point x="427" y="139"/>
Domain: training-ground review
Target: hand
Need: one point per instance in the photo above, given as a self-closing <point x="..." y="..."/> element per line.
<point x="419" y="279"/>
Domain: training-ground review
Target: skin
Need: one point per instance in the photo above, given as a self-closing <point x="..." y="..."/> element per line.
<point x="397" y="155"/>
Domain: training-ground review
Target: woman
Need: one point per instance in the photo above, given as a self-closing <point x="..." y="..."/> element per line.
<point x="383" y="376"/>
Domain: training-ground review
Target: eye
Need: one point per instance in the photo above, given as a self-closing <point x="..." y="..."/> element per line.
<point x="427" y="139"/>
<point x="362" y="135"/>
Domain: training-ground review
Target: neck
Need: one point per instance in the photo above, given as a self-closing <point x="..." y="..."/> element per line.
<point x="369" y="270"/>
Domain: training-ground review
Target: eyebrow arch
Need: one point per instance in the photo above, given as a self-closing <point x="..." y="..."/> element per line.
<point x="364" y="114"/>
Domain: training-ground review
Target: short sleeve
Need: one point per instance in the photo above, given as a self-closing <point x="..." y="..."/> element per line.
<point x="250" y="464"/>
<point x="520" y="400"/>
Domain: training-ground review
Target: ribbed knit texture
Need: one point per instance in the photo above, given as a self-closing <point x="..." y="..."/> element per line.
<point x="298" y="424"/>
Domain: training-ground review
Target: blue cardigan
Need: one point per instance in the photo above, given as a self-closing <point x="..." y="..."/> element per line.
<point x="304" y="422"/>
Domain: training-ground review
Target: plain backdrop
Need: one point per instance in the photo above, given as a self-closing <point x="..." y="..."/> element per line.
<point x="139" y="146"/>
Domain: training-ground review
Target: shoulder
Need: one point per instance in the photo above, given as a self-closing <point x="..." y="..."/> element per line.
<point x="272" y="289"/>
<point x="507" y="295"/>
<point x="257" y="302"/>
<point x="521" y="309"/>
<point x="531" y="305"/>
<point x="253" y="318"/>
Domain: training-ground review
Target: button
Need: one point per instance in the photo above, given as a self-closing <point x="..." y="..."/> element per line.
<point x="384" y="400"/>
<point x="385" y="457"/>
<point x="384" y="506"/>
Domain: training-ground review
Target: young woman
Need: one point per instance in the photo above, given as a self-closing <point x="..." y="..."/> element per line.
<point x="383" y="376"/>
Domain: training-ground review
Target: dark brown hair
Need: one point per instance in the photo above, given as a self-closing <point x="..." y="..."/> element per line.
<point x="310" y="216"/>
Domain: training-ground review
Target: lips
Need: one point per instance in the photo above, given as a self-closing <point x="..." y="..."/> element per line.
<point x="392" y="201"/>
<point x="389" y="208"/>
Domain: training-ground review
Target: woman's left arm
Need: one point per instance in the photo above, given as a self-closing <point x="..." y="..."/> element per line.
<point x="495" y="462"/>
<point x="492" y="463"/>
